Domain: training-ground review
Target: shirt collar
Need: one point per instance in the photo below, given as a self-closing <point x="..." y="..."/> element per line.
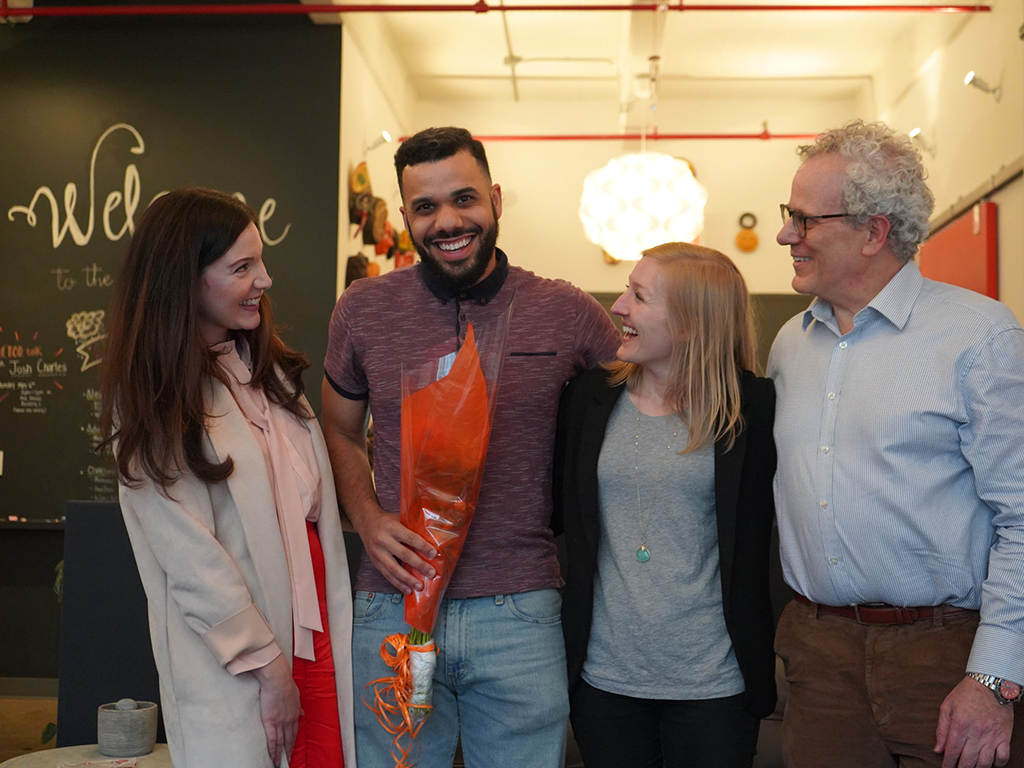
<point x="482" y="293"/>
<point x="894" y="302"/>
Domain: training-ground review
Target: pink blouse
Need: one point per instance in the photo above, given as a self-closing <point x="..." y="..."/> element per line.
<point x="295" y="478"/>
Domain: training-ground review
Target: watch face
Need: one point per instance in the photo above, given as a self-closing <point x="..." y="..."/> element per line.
<point x="1009" y="691"/>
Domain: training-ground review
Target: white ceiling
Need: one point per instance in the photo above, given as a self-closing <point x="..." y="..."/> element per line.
<point x="597" y="55"/>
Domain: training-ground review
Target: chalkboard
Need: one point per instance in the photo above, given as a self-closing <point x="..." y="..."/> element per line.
<point x="105" y="648"/>
<point x="100" y="118"/>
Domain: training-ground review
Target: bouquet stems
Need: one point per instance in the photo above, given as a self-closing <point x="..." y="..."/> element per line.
<point x="418" y="637"/>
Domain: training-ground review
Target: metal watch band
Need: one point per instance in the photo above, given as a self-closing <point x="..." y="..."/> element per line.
<point x="995" y="684"/>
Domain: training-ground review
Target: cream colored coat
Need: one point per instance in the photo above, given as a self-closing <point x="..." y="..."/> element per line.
<point x="213" y="566"/>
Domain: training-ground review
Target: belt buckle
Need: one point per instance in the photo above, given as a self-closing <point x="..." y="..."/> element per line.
<point x="901" y="615"/>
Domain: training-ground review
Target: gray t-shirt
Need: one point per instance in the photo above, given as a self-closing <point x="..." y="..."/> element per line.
<point x="659" y="630"/>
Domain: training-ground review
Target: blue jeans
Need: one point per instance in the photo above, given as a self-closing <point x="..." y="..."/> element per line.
<point x="500" y="681"/>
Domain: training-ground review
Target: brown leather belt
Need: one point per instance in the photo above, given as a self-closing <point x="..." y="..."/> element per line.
<point x="883" y="614"/>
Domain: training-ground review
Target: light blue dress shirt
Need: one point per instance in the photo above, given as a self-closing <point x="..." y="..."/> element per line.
<point x="901" y="458"/>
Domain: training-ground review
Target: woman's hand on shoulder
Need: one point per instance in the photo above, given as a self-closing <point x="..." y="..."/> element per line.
<point x="279" y="707"/>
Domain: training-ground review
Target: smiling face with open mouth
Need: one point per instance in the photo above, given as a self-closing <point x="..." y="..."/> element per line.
<point x="230" y="289"/>
<point x="647" y="336"/>
<point x="451" y="210"/>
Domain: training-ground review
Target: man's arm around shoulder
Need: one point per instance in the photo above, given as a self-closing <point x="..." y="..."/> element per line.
<point x="387" y="542"/>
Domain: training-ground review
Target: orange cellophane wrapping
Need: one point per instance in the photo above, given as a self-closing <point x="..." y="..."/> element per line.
<point x="445" y="429"/>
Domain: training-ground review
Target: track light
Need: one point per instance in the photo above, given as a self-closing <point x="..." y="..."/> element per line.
<point x="381" y="139"/>
<point x="973" y="80"/>
<point x="918" y="139"/>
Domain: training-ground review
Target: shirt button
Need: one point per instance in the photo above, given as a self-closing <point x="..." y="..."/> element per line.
<point x="824" y="504"/>
<point x="824" y="449"/>
<point x="831" y="395"/>
<point x="843" y="345"/>
<point x="833" y="560"/>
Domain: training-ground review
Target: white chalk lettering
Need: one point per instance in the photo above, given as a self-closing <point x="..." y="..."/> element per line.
<point x="131" y="198"/>
<point x="127" y="201"/>
<point x="64" y="282"/>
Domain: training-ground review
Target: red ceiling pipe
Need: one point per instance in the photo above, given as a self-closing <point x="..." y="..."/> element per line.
<point x="698" y="7"/>
<point x="248" y="9"/>
<point x="763" y="136"/>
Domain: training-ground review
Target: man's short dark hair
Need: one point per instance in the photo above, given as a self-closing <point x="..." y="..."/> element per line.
<point x="433" y="144"/>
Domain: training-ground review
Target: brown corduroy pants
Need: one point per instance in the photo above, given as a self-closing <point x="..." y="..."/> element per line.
<point x="869" y="696"/>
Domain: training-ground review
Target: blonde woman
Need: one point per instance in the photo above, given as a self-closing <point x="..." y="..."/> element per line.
<point x="663" y="482"/>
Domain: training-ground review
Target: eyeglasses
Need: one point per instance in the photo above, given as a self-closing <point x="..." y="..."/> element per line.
<point x="800" y="219"/>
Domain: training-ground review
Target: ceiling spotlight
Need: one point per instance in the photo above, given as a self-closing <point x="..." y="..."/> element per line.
<point x="918" y="139"/>
<point x="973" y="80"/>
<point x="383" y="138"/>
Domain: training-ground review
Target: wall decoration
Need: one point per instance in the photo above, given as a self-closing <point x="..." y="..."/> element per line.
<point x="746" y="238"/>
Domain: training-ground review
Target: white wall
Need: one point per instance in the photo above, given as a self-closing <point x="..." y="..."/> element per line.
<point x="973" y="135"/>
<point x="542" y="180"/>
<point x="1011" y="251"/>
<point x="366" y="110"/>
<point x="920" y="85"/>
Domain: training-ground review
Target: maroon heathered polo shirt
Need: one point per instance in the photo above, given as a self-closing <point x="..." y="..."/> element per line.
<point x="556" y="331"/>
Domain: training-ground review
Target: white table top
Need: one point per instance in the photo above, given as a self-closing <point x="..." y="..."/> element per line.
<point x="160" y="757"/>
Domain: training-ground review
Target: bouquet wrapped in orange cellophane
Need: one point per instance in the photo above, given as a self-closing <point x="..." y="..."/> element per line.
<point x="445" y="428"/>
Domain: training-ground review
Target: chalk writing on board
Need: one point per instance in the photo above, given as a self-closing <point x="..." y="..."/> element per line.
<point x="126" y="199"/>
<point x="94" y="433"/>
<point x="130" y="199"/>
<point x="92" y="396"/>
<point x="263" y="215"/>
<point x="95" y="277"/>
<point x="30" y="398"/>
<point x="87" y="329"/>
<point x="23" y="362"/>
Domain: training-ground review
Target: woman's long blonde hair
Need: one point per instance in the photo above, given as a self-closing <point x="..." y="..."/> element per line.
<point x="711" y="318"/>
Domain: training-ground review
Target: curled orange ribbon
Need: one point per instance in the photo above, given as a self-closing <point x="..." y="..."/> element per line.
<point x="392" y="695"/>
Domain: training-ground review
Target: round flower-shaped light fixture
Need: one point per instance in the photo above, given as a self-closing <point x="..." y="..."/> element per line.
<point x="641" y="200"/>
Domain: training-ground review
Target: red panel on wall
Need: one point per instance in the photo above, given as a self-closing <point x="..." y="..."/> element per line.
<point x="965" y="252"/>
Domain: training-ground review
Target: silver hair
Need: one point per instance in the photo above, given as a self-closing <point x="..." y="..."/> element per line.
<point x="884" y="177"/>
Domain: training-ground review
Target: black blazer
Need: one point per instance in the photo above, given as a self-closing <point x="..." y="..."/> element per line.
<point x="745" y="509"/>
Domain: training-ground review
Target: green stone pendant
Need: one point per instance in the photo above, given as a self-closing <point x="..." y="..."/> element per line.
<point x="643" y="554"/>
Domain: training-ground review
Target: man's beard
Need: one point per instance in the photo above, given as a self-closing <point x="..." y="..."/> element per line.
<point x="464" y="274"/>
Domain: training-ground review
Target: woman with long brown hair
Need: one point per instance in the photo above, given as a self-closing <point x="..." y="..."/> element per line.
<point x="227" y="495"/>
<point x="663" y="482"/>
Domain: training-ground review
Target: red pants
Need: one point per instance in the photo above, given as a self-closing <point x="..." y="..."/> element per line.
<point x="318" y="743"/>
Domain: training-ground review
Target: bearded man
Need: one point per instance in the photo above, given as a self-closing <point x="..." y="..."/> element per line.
<point x="500" y="681"/>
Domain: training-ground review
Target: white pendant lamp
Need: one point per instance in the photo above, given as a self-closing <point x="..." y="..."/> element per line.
<point x="641" y="200"/>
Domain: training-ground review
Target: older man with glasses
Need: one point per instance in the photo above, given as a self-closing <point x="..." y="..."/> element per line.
<point x="900" y="487"/>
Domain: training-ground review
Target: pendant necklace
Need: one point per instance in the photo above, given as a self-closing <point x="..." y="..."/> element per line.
<point x="643" y="554"/>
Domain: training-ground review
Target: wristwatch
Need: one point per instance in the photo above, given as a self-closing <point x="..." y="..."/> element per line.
<point x="1006" y="691"/>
